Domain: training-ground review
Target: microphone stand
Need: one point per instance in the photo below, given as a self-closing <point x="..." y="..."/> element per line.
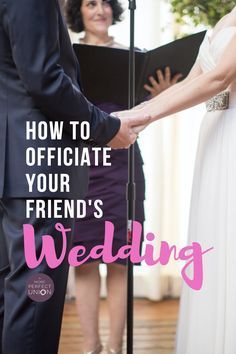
<point x="131" y="185"/>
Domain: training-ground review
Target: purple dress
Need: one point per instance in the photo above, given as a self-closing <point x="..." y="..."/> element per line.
<point x="109" y="185"/>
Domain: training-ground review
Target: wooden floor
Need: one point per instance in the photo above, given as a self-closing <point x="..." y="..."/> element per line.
<point x="154" y="327"/>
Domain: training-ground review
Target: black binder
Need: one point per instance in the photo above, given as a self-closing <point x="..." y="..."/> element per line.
<point x="104" y="70"/>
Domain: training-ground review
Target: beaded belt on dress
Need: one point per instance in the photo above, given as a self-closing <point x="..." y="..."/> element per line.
<point x="218" y="102"/>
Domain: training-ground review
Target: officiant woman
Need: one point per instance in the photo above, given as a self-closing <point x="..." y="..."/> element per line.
<point x="95" y="17"/>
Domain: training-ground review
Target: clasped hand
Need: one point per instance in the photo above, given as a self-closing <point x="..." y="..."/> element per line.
<point x="131" y="125"/>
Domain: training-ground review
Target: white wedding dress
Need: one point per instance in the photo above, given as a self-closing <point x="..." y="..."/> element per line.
<point x="207" y="318"/>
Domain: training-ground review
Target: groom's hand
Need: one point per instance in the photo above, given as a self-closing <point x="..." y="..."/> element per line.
<point x="129" y="129"/>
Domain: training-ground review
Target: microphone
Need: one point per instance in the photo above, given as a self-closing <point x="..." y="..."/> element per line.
<point x="132" y="4"/>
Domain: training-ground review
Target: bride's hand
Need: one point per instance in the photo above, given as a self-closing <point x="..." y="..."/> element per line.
<point x="134" y="114"/>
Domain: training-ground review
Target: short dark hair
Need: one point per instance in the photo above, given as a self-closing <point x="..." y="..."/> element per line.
<point x="74" y="17"/>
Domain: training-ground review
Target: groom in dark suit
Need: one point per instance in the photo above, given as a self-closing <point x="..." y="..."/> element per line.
<point x="39" y="81"/>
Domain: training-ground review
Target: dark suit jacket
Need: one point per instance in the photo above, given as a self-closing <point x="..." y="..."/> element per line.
<point x="40" y="80"/>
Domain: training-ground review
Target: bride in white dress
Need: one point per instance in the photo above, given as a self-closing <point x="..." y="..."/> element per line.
<point x="207" y="319"/>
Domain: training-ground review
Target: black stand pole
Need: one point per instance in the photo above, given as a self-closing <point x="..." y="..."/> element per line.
<point x="131" y="183"/>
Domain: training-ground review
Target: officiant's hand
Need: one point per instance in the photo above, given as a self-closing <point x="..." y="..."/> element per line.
<point x="129" y="129"/>
<point x="163" y="81"/>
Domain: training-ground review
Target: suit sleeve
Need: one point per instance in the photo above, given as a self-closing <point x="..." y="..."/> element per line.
<point x="33" y="30"/>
